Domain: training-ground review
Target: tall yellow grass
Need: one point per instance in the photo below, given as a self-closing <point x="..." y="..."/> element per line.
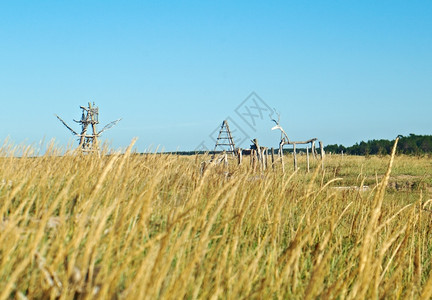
<point x="128" y="226"/>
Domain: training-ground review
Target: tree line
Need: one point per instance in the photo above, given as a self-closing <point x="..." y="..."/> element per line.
<point x="411" y="144"/>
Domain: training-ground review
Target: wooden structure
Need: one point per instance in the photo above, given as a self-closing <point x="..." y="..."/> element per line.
<point x="225" y="140"/>
<point x="259" y="154"/>
<point x="260" y="157"/>
<point x="286" y="141"/>
<point x="88" y="141"/>
<point x="226" y="144"/>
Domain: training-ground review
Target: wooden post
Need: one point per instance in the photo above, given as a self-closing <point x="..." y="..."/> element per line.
<point x="255" y="158"/>
<point x="266" y="158"/>
<point x="313" y="150"/>
<point x="307" y="157"/>
<point x="295" y="156"/>
<point x="272" y="158"/>
<point x="93" y="122"/>
<point x="239" y="156"/>
<point x="322" y="154"/>
<point x="281" y="157"/>
<point x="261" y="160"/>
<point x="225" y="158"/>
<point x="258" y="153"/>
<point x="322" y="150"/>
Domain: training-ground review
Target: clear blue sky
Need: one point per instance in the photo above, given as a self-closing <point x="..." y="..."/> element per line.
<point x="341" y="71"/>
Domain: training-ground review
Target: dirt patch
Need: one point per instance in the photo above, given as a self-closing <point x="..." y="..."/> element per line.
<point x="407" y="183"/>
<point x="399" y="183"/>
<point x="353" y="188"/>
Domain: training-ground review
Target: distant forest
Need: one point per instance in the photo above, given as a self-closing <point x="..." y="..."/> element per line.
<point x="412" y="144"/>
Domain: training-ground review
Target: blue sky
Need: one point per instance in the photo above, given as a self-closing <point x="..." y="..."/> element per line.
<point x="341" y="71"/>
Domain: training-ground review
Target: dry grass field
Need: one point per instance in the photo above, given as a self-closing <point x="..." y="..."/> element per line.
<point x="151" y="226"/>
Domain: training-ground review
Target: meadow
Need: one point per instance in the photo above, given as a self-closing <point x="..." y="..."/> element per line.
<point x="152" y="226"/>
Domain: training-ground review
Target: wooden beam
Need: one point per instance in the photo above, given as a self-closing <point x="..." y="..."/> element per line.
<point x="299" y="142"/>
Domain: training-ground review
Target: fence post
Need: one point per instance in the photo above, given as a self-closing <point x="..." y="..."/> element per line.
<point x="272" y="158"/>
<point x="313" y="150"/>
<point x="255" y="159"/>
<point x="281" y="157"/>
<point x="252" y="158"/>
<point x="239" y="156"/>
<point x="322" y="154"/>
<point x="266" y="157"/>
<point x="225" y="159"/>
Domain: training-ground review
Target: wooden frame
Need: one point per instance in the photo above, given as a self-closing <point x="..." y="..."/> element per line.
<point x="90" y="117"/>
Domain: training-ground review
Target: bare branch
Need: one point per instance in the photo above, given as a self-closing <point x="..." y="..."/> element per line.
<point x="67" y="126"/>
<point x="109" y="125"/>
<point x="283" y="133"/>
<point x="275" y="111"/>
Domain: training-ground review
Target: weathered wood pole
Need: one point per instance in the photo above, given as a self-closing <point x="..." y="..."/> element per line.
<point x="313" y="150"/>
<point x="255" y="158"/>
<point x="266" y="158"/>
<point x="93" y="123"/>
<point x="225" y="159"/>
<point x="281" y="157"/>
<point x="322" y="154"/>
<point x="307" y="157"/>
<point x="258" y="153"/>
<point x="239" y="156"/>
<point x="272" y="158"/>
<point x="263" y="159"/>
<point x="295" y="156"/>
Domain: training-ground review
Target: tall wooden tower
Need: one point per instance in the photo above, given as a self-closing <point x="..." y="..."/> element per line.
<point x="88" y="142"/>
<point x="225" y="139"/>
